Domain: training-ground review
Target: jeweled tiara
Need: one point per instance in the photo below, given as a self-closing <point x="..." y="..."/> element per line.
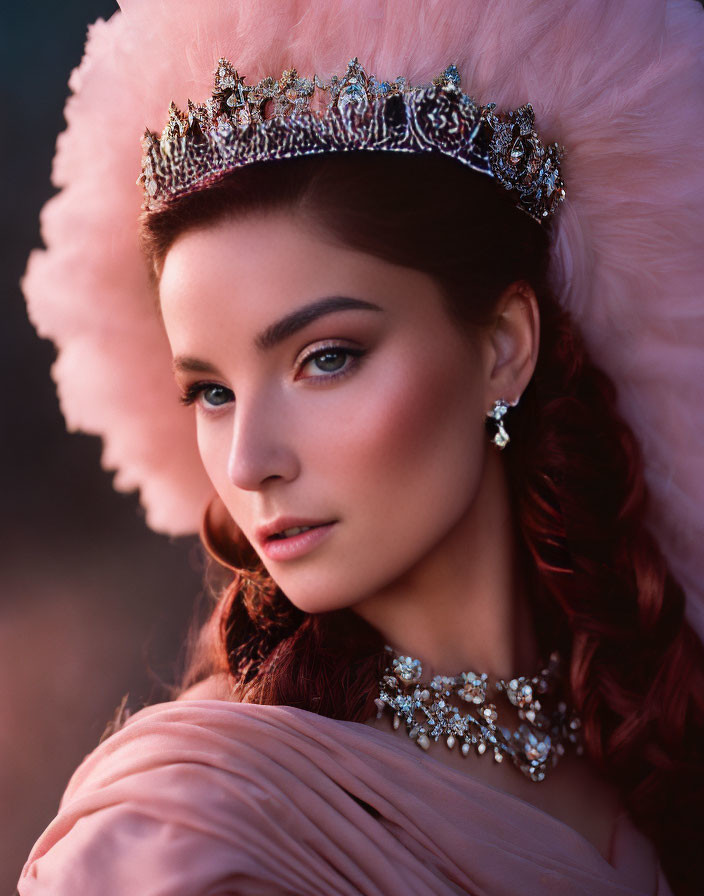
<point x="241" y="124"/>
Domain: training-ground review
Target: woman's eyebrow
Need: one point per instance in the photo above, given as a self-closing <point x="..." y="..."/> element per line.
<point x="282" y="329"/>
<point x="185" y="364"/>
<point x="301" y="317"/>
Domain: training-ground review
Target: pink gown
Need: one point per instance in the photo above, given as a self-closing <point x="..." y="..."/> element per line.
<point x="206" y="797"/>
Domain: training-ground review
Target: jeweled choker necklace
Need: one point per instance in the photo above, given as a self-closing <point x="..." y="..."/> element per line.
<point x="456" y="709"/>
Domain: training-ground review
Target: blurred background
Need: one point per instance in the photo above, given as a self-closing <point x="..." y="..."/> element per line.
<point x="93" y="605"/>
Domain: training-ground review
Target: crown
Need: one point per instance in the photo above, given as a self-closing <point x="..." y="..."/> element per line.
<point x="275" y="119"/>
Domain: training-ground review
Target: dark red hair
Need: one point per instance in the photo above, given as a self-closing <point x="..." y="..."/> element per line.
<point x="599" y="587"/>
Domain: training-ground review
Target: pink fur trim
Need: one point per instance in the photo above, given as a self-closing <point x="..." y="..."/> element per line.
<point x="620" y="84"/>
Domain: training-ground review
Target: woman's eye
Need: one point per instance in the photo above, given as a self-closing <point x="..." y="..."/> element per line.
<point x="209" y="395"/>
<point x="323" y="364"/>
<point x="215" y="395"/>
<point x="330" y="362"/>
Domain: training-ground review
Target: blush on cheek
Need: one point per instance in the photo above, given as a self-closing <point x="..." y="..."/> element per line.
<point x="411" y="421"/>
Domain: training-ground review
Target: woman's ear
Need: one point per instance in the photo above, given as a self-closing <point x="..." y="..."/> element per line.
<point x="511" y="344"/>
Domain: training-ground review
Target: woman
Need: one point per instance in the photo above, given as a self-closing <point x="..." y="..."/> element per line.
<point x="344" y="323"/>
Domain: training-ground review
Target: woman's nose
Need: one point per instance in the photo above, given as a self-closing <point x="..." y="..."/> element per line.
<point x="261" y="446"/>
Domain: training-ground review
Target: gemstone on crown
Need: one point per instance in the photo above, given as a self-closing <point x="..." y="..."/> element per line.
<point x="273" y="119"/>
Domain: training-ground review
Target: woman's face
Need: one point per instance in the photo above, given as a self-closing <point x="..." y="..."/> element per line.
<point x="329" y="387"/>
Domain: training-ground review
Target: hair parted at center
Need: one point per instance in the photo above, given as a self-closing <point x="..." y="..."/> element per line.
<point x="599" y="587"/>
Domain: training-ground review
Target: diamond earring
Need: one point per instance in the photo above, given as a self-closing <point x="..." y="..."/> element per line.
<point x="501" y="437"/>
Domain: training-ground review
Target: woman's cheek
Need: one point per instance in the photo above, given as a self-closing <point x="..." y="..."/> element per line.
<point x="414" y="459"/>
<point x="401" y="419"/>
<point x="214" y="449"/>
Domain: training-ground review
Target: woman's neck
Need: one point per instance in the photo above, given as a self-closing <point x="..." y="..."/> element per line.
<point x="464" y="605"/>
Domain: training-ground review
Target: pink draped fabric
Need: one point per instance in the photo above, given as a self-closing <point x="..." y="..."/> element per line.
<point x="207" y="798"/>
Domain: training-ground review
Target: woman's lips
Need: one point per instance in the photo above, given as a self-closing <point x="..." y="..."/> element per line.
<point x="297" y="545"/>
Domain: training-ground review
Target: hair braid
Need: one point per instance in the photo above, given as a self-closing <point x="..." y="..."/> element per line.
<point x="637" y="668"/>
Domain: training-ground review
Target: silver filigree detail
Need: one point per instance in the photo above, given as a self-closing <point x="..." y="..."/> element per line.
<point x="274" y="119"/>
<point x="521" y="163"/>
<point x="456" y="709"/>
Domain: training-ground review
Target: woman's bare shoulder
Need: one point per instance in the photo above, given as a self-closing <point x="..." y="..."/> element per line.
<point x="217" y="687"/>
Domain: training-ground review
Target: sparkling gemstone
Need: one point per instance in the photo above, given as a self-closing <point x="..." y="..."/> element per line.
<point x="517" y="152"/>
<point x="473" y="691"/>
<point x="520" y="692"/>
<point x="408" y="669"/>
<point x="537" y="748"/>
<point x="525" y="694"/>
<point x="352" y="95"/>
<point x="489" y="713"/>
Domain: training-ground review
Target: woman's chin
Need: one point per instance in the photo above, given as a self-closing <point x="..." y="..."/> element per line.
<point x="317" y="604"/>
<point x="318" y="596"/>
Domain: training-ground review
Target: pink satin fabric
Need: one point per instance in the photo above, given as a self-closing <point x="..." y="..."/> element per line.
<point x="207" y="798"/>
